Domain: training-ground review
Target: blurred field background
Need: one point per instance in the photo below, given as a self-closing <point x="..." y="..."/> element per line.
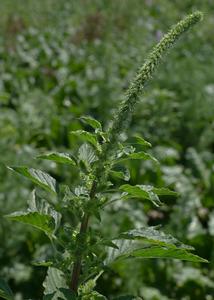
<point x="62" y="59"/>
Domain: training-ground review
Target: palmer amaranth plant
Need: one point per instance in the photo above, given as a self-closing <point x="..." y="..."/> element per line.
<point x="80" y="254"/>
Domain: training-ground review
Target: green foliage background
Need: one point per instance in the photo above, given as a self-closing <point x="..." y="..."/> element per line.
<point x="63" y="59"/>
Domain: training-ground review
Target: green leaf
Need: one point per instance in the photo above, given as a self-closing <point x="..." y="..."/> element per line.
<point x="41" y="206"/>
<point x="142" y="142"/>
<point x="158" y="252"/>
<point x="132" y="248"/>
<point x="62" y="158"/>
<point x="147" y="192"/>
<point x="92" y="122"/>
<point x="40" y="221"/>
<point x="5" y="291"/>
<point x="125" y="175"/>
<point x="154" y="236"/>
<point x="87" y="137"/>
<point x="87" y="154"/>
<point x="123" y="250"/>
<point x="141" y="155"/>
<point x="141" y="192"/>
<point x="38" y="177"/>
<point x="55" y="284"/>
<point x="164" y="192"/>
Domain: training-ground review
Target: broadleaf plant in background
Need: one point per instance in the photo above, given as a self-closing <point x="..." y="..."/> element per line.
<point x="80" y="254"/>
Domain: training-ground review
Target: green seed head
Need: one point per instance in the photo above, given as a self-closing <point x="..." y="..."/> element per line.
<point x="146" y="71"/>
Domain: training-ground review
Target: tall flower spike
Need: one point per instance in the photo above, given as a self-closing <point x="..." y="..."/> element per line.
<point x="144" y="74"/>
<point x="124" y="112"/>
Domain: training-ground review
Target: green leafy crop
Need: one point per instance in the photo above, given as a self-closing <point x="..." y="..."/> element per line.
<point x="79" y="253"/>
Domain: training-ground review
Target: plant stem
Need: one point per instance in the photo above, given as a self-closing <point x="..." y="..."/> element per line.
<point x="122" y="116"/>
<point x="83" y="229"/>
